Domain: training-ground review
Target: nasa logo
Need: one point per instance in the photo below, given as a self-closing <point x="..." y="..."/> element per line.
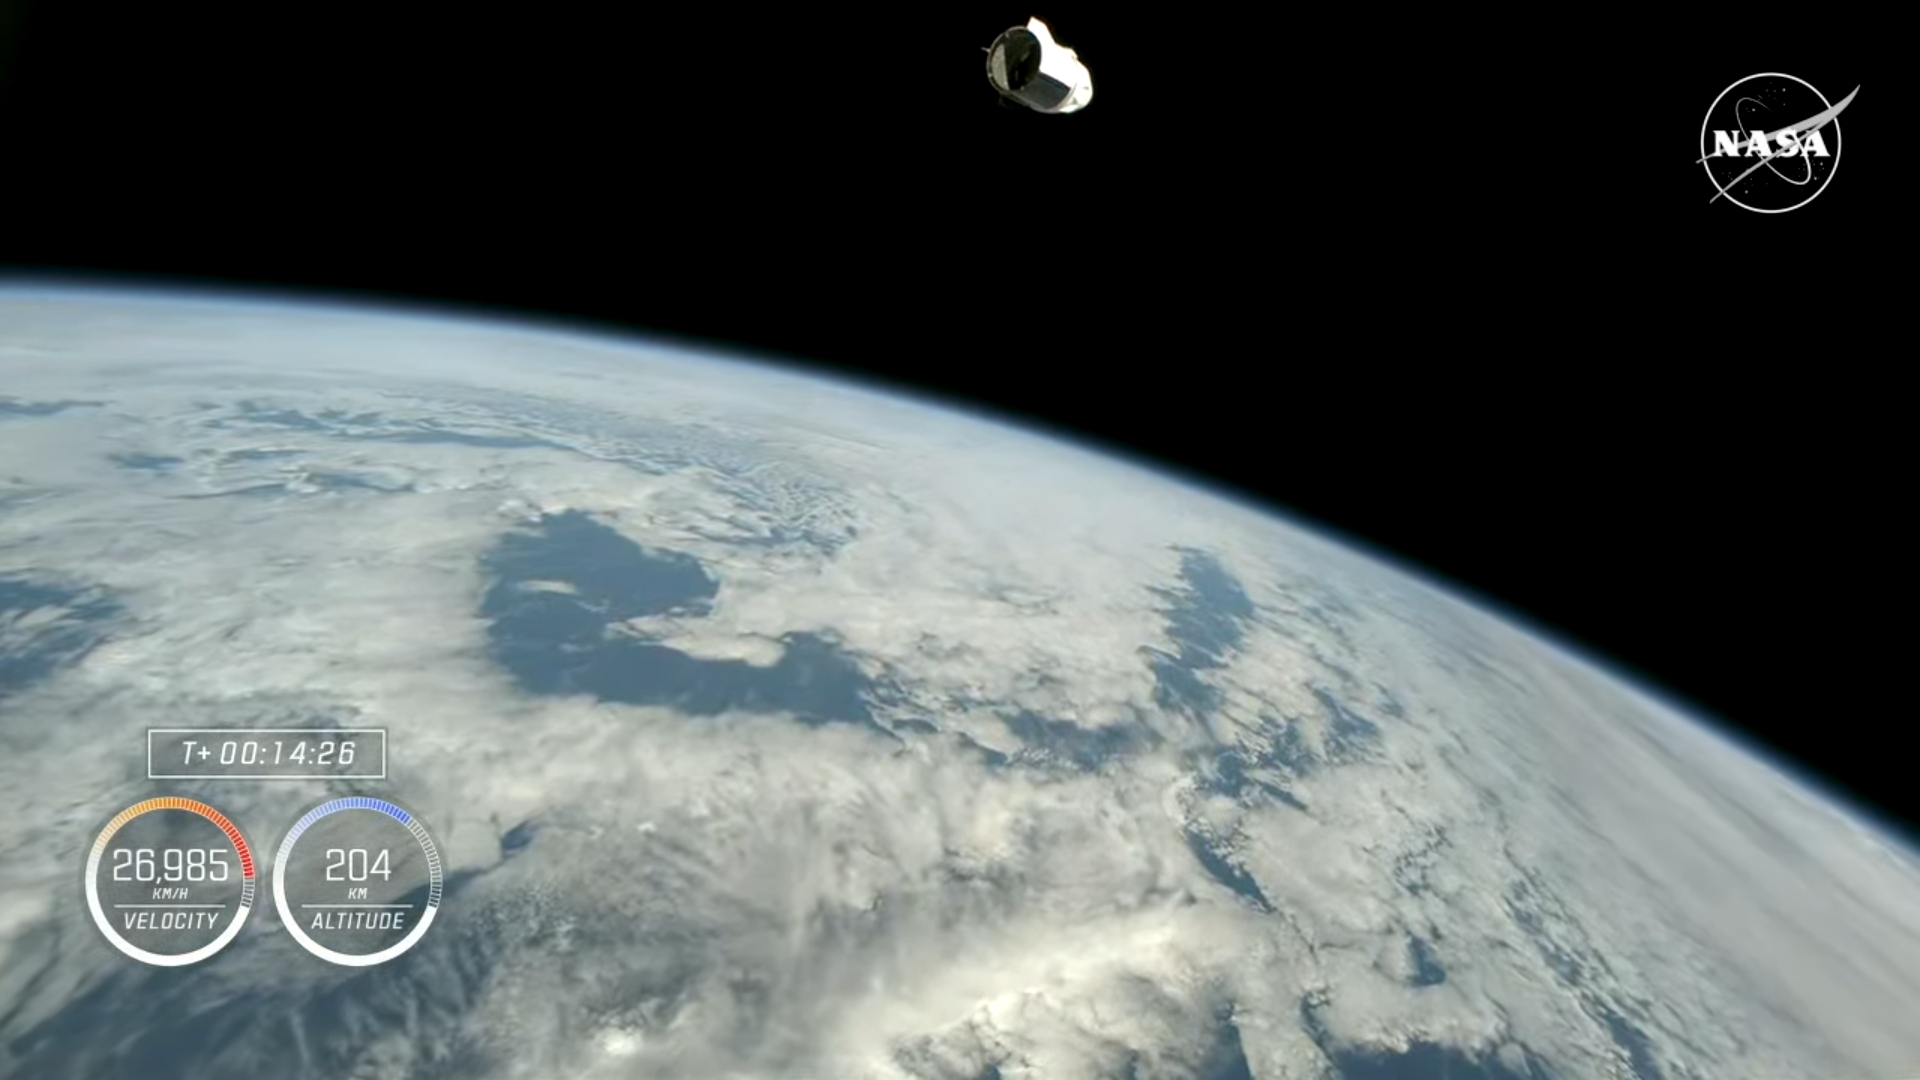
<point x="1771" y="142"/>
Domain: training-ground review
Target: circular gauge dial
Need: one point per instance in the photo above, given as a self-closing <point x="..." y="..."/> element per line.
<point x="357" y="881"/>
<point x="170" y="881"/>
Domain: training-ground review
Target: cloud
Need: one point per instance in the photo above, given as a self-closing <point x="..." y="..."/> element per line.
<point x="1141" y="778"/>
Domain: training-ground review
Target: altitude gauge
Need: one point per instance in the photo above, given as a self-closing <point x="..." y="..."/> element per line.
<point x="357" y="881"/>
<point x="170" y="881"/>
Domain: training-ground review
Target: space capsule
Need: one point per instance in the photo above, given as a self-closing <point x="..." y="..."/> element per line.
<point x="1029" y="68"/>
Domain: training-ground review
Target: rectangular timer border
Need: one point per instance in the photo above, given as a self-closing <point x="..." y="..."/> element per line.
<point x="228" y="734"/>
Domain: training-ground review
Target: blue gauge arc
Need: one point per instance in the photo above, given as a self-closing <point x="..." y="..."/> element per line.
<point x="430" y="851"/>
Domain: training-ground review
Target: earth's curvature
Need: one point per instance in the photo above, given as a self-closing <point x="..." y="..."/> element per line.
<point x="774" y="728"/>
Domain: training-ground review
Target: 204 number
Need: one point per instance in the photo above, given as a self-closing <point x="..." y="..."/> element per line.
<point x="357" y="864"/>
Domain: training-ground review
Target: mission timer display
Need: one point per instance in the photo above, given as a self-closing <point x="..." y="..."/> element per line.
<point x="357" y="881"/>
<point x="170" y="881"/>
<point x="266" y="754"/>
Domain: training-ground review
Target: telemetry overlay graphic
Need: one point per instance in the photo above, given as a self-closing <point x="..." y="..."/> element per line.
<point x="170" y="881"/>
<point x="267" y="754"/>
<point x="357" y="881"/>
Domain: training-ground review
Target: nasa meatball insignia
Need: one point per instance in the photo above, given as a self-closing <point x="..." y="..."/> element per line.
<point x="1799" y="157"/>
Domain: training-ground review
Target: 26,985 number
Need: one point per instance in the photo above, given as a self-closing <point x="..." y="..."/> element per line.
<point x="176" y="864"/>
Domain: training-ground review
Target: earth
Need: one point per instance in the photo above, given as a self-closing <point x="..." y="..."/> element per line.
<point x="775" y="727"/>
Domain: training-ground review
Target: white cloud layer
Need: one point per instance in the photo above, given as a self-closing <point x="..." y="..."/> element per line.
<point x="1609" y="886"/>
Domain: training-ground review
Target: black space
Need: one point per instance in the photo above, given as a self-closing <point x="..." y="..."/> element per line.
<point x="1549" y="379"/>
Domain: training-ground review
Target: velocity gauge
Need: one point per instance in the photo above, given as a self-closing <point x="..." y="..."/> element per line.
<point x="170" y="881"/>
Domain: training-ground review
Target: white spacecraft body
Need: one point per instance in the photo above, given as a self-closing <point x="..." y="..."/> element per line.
<point x="1027" y="66"/>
